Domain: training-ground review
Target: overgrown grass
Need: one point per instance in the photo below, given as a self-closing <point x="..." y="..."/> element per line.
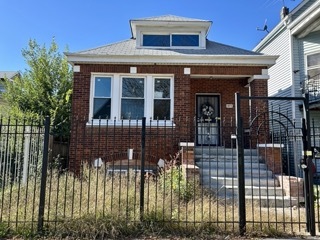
<point x="101" y="205"/>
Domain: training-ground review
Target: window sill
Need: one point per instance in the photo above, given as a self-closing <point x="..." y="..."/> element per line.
<point x="130" y="123"/>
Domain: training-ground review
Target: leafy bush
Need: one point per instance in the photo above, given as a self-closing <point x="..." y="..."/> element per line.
<point x="173" y="179"/>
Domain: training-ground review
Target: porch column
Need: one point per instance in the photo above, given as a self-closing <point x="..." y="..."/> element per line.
<point x="259" y="110"/>
<point x="183" y="103"/>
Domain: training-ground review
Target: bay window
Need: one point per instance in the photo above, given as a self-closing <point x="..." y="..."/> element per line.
<point x="131" y="96"/>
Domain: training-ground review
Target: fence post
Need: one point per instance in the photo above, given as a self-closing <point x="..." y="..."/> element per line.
<point x="26" y="154"/>
<point x="44" y="173"/>
<point x="240" y="160"/>
<point x="143" y="151"/>
<point x="308" y="176"/>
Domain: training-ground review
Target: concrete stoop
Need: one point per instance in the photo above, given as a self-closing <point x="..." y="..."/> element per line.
<point x="218" y="173"/>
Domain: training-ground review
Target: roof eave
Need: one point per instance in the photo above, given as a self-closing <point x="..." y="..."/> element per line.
<point x="243" y="60"/>
<point x="305" y="20"/>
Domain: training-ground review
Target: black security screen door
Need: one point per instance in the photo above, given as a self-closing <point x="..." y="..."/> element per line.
<point x="208" y="115"/>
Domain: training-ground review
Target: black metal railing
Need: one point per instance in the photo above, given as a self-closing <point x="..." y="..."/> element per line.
<point x="312" y="86"/>
<point x="166" y="179"/>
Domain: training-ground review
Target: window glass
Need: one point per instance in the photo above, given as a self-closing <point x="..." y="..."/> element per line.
<point x="133" y="87"/>
<point x="102" y="98"/>
<point x="313" y="60"/>
<point x="314" y="73"/>
<point x="102" y="87"/>
<point x="161" y="109"/>
<point x="313" y="63"/>
<point x="101" y="108"/>
<point x="185" y="40"/>
<point x="156" y="40"/>
<point x="132" y="103"/>
<point x="161" y="104"/>
<point x="132" y="108"/>
<point x="161" y="88"/>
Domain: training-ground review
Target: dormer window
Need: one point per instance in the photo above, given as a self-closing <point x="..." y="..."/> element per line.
<point x="170" y="40"/>
<point x="184" y="40"/>
<point x="150" y="40"/>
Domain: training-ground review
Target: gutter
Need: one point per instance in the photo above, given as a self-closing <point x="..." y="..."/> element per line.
<point x="304" y="15"/>
<point x="240" y="60"/>
<point x="305" y="18"/>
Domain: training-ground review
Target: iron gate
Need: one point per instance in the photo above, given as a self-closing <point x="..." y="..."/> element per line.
<point x="259" y="131"/>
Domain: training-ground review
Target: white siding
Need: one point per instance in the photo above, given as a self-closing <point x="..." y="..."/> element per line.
<point x="311" y="43"/>
<point x="280" y="73"/>
<point x="301" y="48"/>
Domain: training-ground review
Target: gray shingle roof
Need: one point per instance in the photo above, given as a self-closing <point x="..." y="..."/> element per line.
<point x="128" y="48"/>
<point x="8" y="74"/>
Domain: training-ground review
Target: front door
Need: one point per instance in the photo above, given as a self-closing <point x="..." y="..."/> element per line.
<point x="208" y="114"/>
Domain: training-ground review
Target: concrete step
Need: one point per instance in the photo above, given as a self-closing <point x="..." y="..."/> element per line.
<point x="206" y="158"/>
<point x="275" y="201"/>
<point x="228" y="165"/>
<point x="257" y="191"/>
<point x="233" y="172"/>
<point x="199" y="150"/>
<point x="217" y="182"/>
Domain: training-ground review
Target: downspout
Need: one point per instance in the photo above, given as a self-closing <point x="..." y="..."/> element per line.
<point x="292" y="76"/>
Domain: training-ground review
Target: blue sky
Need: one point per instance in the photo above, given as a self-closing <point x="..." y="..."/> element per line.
<point x="85" y="24"/>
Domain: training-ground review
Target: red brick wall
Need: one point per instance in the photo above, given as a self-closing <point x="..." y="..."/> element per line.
<point x="185" y="88"/>
<point x="260" y="126"/>
<point x="92" y="142"/>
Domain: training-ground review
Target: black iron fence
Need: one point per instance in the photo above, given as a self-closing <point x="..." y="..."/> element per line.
<point x="177" y="172"/>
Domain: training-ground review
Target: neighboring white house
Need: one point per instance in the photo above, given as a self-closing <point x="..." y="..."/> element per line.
<point x="296" y="39"/>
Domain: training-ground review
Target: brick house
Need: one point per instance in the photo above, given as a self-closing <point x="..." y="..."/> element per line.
<point x="168" y="70"/>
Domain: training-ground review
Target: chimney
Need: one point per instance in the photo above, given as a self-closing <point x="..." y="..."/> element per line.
<point x="284" y="12"/>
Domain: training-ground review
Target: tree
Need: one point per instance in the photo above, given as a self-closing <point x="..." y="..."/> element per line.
<point x="44" y="89"/>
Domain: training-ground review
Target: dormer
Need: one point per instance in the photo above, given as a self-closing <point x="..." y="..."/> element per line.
<point x="170" y="32"/>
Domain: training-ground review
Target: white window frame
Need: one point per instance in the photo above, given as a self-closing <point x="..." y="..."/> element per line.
<point x="92" y="88"/>
<point x="312" y="67"/>
<point x="116" y="95"/>
<point x="120" y="90"/>
<point x="154" y="98"/>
